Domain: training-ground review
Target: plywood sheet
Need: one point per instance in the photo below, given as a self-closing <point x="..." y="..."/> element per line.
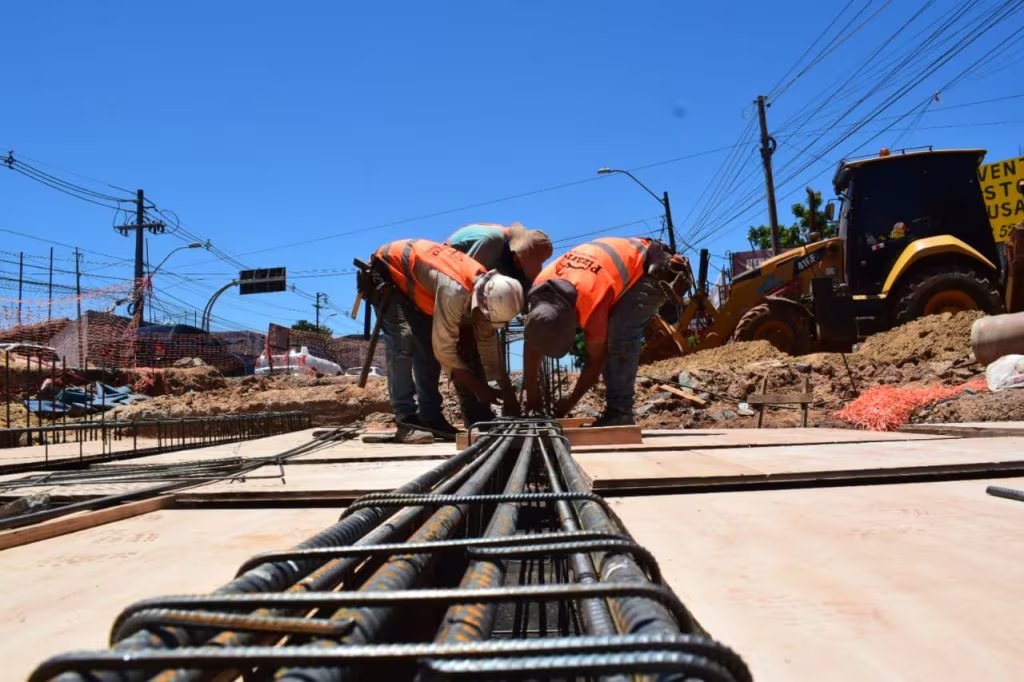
<point x="327" y="481"/>
<point x="327" y="451"/>
<point x="895" y="582"/>
<point x="71" y="451"/>
<point x="606" y="467"/>
<point x="64" y="593"/>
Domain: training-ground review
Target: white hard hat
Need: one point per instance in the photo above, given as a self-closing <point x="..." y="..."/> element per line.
<point x="499" y="297"/>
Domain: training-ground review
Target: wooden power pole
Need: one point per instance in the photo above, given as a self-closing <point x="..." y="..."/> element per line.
<point x="767" y="149"/>
<point x="140" y="269"/>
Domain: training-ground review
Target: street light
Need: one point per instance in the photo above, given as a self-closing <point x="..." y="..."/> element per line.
<point x="193" y="245"/>
<point x="663" y="200"/>
<point x="135" y="305"/>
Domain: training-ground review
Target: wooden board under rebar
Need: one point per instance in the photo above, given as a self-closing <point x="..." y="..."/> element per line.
<point x="895" y="582"/>
<point x="64" y="593"/>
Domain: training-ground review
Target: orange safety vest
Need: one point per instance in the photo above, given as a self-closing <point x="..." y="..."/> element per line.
<point x="611" y="264"/>
<point x="405" y="256"/>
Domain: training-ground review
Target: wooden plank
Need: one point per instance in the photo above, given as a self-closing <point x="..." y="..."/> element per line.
<point x="779" y="398"/>
<point x="861" y="592"/>
<point x="575" y="422"/>
<point x="683" y="394"/>
<point x="81" y="521"/>
<point x="605" y="435"/>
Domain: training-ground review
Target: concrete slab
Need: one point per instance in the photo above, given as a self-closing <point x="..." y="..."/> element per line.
<point x="907" y="582"/>
<point x="63" y="594"/>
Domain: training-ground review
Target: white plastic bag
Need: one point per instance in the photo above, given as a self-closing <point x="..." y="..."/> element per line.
<point x="1006" y="372"/>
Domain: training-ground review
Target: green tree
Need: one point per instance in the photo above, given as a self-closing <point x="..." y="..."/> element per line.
<point x="307" y="326"/>
<point x="579" y="349"/>
<point x="797" y="234"/>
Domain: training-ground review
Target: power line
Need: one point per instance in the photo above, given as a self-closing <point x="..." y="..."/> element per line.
<point x="478" y="204"/>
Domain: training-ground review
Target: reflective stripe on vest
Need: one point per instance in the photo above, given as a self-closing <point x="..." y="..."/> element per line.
<point x="611" y="264"/>
<point x="403" y="257"/>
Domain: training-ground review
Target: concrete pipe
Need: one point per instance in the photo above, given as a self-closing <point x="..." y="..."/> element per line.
<point x="998" y="335"/>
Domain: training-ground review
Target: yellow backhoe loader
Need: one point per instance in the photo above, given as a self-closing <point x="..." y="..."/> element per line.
<point x="914" y="239"/>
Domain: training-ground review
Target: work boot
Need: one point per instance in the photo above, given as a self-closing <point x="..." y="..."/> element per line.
<point x="614" y="418"/>
<point x="411" y="436"/>
<point x="439" y="427"/>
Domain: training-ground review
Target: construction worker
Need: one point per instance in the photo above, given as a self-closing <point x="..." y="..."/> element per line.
<point x="611" y="288"/>
<point x="437" y="293"/>
<point x="514" y="251"/>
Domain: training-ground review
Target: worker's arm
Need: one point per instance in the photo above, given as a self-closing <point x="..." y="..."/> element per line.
<point x="531" y="379"/>
<point x="596" y="353"/>
<point x="476" y="385"/>
<point x="595" y="335"/>
<point x="488" y="345"/>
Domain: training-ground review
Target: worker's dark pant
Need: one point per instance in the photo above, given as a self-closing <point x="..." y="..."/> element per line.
<point x="413" y="371"/>
<point x="473" y="410"/>
<point x="626" y="324"/>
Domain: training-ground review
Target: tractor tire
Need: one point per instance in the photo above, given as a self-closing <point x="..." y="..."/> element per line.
<point x="946" y="290"/>
<point x="780" y="324"/>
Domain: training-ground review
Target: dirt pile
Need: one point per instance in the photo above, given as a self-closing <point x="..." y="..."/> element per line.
<point x="174" y="380"/>
<point x="974" y="406"/>
<point x="930" y="351"/>
<point x="945" y="337"/>
<point x="330" y="400"/>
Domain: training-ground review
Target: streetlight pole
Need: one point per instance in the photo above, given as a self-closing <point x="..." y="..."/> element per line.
<point x="663" y="200"/>
<point x="138" y="298"/>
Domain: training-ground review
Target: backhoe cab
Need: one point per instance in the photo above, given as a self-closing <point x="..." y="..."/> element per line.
<point x="916" y="236"/>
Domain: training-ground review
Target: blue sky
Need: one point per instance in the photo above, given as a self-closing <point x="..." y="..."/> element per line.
<point x="265" y="126"/>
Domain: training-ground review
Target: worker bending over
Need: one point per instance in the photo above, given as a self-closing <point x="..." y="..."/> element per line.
<point x="514" y="251"/>
<point x="611" y="288"/>
<point x="437" y="294"/>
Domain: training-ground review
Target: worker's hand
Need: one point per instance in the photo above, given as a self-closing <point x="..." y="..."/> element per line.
<point x="562" y="407"/>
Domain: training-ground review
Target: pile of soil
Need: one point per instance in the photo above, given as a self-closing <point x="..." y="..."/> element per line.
<point x="936" y="337"/>
<point x="934" y="350"/>
<point x="1006" y="405"/>
<point x="330" y="400"/>
<point x="174" y="380"/>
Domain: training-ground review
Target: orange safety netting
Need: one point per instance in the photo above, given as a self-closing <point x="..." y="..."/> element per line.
<point x="886" y="408"/>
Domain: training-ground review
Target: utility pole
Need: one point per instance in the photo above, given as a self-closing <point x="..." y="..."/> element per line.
<point x="318" y="307"/>
<point x="140" y="272"/>
<point x="83" y="362"/>
<point x="49" y="291"/>
<point x="767" y="149"/>
<point x="668" y="223"/>
<point x="21" y="282"/>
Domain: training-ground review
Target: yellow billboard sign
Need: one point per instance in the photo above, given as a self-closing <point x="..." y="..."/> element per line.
<point x="999" y="188"/>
